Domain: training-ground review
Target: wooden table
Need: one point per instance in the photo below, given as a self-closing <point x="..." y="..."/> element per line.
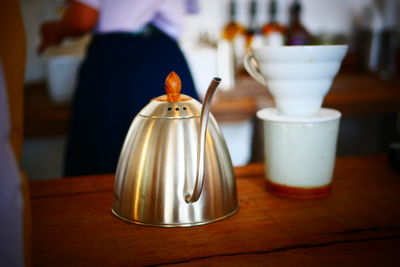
<point x="357" y="225"/>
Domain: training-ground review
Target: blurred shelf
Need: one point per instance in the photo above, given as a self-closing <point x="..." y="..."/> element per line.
<point x="352" y="93"/>
<point x="42" y="117"/>
<point x="363" y="94"/>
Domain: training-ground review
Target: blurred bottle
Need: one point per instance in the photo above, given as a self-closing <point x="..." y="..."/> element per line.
<point x="233" y="32"/>
<point x="273" y="32"/>
<point x="296" y="33"/>
<point x="232" y="29"/>
<point x="231" y="48"/>
<point x="253" y="31"/>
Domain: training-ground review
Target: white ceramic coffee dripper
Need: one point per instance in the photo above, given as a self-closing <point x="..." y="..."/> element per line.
<point x="298" y="77"/>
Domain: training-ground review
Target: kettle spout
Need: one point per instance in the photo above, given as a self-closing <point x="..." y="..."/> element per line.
<point x="205" y="112"/>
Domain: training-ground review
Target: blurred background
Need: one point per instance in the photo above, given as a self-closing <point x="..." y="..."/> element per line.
<point x="367" y="90"/>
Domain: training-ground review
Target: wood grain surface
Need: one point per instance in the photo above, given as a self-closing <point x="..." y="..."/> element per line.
<point x="358" y="224"/>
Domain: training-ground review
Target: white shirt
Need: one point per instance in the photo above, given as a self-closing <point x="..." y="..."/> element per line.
<point x="132" y="15"/>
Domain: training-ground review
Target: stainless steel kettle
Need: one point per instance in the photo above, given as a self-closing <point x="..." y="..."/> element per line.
<point x="174" y="168"/>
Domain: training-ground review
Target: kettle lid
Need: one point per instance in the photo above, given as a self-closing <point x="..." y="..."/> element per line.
<point x="173" y="104"/>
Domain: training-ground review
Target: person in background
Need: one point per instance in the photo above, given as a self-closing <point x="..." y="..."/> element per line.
<point x="134" y="47"/>
<point x="11" y="200"/>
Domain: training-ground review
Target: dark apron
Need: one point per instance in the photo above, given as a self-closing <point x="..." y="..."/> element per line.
<point x="121" y="73"/>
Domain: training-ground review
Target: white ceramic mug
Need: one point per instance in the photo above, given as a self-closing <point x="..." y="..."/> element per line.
<point x="300" y="152"/>
<point x="298" y="77"/>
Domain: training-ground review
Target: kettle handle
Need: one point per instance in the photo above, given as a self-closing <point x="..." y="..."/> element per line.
<point x="205" y="113"/>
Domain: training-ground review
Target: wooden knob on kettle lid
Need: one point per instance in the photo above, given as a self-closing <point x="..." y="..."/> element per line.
<point x="173" y="87"/>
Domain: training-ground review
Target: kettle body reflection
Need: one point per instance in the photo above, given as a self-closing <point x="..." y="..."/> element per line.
<point x="175" y="168"/>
